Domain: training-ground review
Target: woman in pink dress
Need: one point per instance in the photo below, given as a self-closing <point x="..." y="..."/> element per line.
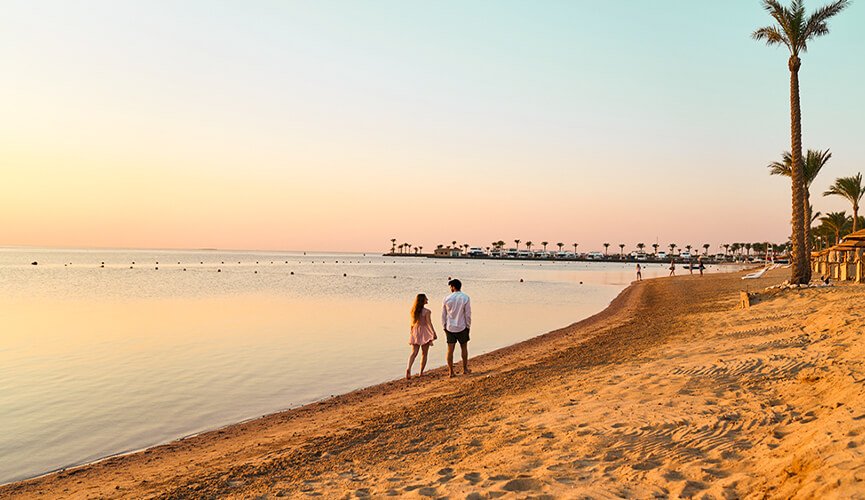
<point x="422" y="333"/>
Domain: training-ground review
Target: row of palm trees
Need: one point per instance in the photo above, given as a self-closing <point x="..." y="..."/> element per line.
<point x="794" y="28"/>
<point x="499" y="246"/>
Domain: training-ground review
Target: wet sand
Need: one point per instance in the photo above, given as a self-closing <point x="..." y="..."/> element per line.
<point x="670" y="392"/>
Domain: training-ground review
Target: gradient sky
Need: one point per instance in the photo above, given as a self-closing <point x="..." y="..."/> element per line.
<point x="338" y="125"/>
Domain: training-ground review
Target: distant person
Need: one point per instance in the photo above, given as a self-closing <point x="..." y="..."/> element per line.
<point x="701" y="266"/>
<point x="691" y="266"/>
<point x="672" y="267"/>
<point x="422" y="334"/>
<point x="457" y="320"/>
<point x="639" y="273"/>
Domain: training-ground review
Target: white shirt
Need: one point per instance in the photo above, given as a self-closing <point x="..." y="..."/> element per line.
<point x="457" y="312"/>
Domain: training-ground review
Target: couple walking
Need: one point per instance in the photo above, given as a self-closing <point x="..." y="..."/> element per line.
<point x="456" y="319"/>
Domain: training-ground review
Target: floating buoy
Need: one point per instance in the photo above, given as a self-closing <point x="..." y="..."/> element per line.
<point x="34" y="263"/>
<point x="521" y="280"/>
<point x="292" y="273"/>
<point x="184" y="269"/>
<point x="256" y="272"/>
<point x="344" y="275"/>
<point x="157" y="268"/>
<point x="219" y="270"/>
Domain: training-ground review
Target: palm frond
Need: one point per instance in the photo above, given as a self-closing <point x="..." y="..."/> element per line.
<point x="772" y="36"/>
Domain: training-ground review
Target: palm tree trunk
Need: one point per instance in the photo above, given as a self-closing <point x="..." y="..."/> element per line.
<point x="855" y="216"/>
<point x="808" y="244"/>
<point x="798" y="261"/>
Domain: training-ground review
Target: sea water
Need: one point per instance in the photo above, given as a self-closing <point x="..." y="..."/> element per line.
<point x="108" y="351"/>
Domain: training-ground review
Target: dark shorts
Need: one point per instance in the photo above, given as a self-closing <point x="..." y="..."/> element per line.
<point x="461" y="337"/>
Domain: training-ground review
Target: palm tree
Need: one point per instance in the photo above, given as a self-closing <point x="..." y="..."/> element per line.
<point x="688" y="248"/>
<point x="641" y="246"/>
<point x="575" y="249"/>
<point x="726" y="248"/>
<point x="466" y="246"/>
<point x="672" y="248"/>
<point x="606" y="246"/>
<point x="621" y="250"/>
<point x="655" y="247"/>
<point x="747" y="249"/>
<point x="850" y="188"/>
<point x="393" y="245"/>
<point x="545" y="243"/>
<point x="706" y="249"/>
<point x="517" y="242"/>
<point x="815" y="160"/>
<point x="794" y="29"/>
<point x="560" y="245"/>
<point x="836" y="222"/>
<point x="529" y="246"/>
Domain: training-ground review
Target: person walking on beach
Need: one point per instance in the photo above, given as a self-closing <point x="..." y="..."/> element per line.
<point x="673" y="267"/>
<point x="691" y="266"/>
<point x="422" y="334"/>
<point x="639" y="273"/>
<point x="457" y="320"/>
<point x="700" y="265"/>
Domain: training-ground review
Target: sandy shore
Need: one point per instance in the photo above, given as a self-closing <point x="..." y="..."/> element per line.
<point x="670" y="392"/>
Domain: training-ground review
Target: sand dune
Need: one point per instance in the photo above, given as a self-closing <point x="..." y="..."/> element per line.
<point x="672" y="392"/>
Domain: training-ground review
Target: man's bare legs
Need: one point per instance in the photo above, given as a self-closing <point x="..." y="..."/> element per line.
<point x="464" y="348"/>
<point x="451" y="360"/>
<point x="424" y="351"/>
<point x="411" y="358"/>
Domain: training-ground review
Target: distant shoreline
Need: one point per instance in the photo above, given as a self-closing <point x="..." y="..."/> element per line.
<point x="608" y="259"/>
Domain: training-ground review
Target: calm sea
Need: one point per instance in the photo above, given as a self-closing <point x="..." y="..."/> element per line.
<point x="157" y="345"/>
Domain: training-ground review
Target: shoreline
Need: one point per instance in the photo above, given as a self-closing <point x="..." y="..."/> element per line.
<point x="667" y="389"/>
<point x="437" y="372"/>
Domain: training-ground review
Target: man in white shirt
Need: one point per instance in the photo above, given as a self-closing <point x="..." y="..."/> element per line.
<point x="457" y="319"/>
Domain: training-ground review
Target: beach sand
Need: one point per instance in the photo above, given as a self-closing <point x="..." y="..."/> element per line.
<point x="670" y="392"/>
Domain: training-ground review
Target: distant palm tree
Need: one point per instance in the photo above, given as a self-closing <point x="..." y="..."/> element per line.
<point x="621" y="250"/>
<point x="393" y="245"/>
<point x="726" y="248"/>
<point x="815" y="160"/>
<point x="852" y="189"/>
<point x="706" y="249"/>
<point x="794" y="29"/>
<point x="747" y="249"/>
<point x="641" y="246"/>
<point x="688" y="248"/>
<point x="454" y="243"/>
<point x="421" y="249"/>
<point x="575" y="249"/>
<point x="837" y="222"/>
<point x="416" y="250"/>
<point x="545" y="243"/>
<point x="517" y="242"/>
<point x="529" y="246"/>
<point x="655" y="247"/>
<point x="606" y="246"/>
<point x="560" y="245"/>
<point x="407" y="247"/>
<point x="673" y="248"/>
<point x="466" y="246"/>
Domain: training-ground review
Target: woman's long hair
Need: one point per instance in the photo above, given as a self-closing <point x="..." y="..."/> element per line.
<point x="417" y="308"/>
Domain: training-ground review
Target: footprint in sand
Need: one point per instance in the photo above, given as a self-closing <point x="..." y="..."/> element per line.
<point x="523" y="484"/>
<point x="473" y="477"/>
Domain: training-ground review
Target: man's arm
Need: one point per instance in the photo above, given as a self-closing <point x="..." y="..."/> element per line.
<point x="445" y="314"/>
<point x="468" y="313"/>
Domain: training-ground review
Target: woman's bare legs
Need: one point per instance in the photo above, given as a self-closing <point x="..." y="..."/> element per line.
<point x="411" y="358"/>
<point x="424" y="352"/>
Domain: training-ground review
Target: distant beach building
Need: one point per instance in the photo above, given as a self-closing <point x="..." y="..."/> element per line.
<point x="447" y="252"/>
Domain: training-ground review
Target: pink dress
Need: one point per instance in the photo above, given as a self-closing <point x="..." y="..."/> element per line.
<point x="422" y="332"/>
